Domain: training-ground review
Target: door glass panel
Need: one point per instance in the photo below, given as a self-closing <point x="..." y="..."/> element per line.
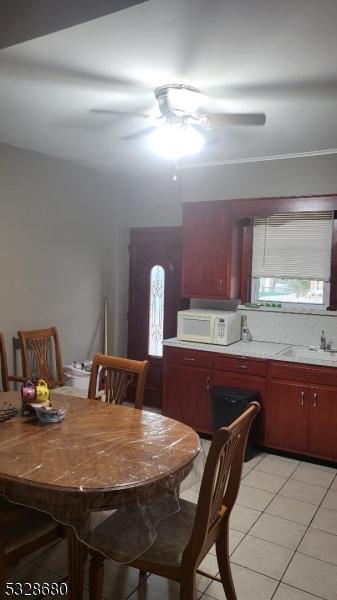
<point x="156" y="314"/>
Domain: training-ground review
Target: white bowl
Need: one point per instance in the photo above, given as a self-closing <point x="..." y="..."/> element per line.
<point x="48" y="414"/>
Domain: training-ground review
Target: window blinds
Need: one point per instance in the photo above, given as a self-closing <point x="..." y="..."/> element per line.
<point x="293" y="245"/>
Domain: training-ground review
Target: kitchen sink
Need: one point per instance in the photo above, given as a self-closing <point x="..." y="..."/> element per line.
<point x="297" y="353"/>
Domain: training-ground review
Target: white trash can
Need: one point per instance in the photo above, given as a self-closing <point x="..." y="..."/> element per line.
<point x="77" y="376"/>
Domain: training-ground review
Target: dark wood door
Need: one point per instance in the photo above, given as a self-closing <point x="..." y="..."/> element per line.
<point x="187" y="396"/>
<point x="322" y="429"/>
<point x="288" y="408"/>
<point x="149" y="248"/>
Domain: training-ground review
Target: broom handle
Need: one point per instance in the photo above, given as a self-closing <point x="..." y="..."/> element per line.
<point x="105" y="327"/>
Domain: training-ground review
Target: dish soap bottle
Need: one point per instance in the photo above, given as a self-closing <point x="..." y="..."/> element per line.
<point x="245" y="333"/>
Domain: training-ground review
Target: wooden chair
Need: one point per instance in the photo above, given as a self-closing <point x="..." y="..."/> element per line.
<point x="119" y="374"/>
<point x="5" y="378"/>
<point x="3" y="365"/>
<point x="185" y="537"/>
<point x="22" y="530"/>
<point x="38" y="349"/>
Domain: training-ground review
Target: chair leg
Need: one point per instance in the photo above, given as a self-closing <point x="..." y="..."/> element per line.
<point x="187" y="587"/>
<point x="96" y="577"/>
<point x="222" y="554"/>
<point x="141" y="575"/>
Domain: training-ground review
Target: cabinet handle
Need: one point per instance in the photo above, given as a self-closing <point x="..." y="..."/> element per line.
<point x="220" y="283"/>
<point x="208" y="383"/>
<point x="190" y="359"/>
<point x="241" y="366"/>
<point x="302" y="398"/>
<point x="315" y="400"/>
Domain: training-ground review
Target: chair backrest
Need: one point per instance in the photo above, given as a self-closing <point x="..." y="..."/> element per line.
<point x="220" y="484"/>
<point x="3" y="365"/>
<point x="119" y="374"/>
<point x="41" y="355"/>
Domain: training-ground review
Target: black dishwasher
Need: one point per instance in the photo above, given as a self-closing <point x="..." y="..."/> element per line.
<point x="228" y="404"/>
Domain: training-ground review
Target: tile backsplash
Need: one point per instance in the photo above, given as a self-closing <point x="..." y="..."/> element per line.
<point x="291" y="328"/>
<point x="283" y="327"/>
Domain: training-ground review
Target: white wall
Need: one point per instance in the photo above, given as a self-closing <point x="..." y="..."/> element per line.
<point x="54" y="230"/>
<point x="118" y="270"/>
<point x="286" y="177"/>
<point x="157" y="200"/>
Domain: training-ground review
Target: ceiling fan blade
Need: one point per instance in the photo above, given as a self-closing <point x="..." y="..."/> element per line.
<point x="120" y="113"/>
<point x="138" y="134"/>
<point x="224" y="119"/>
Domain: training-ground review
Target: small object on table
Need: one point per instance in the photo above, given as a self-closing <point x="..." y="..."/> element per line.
<point x="42" y="392"/>
<point x="7" y="413"/>
<point x="28" y="390"/>
<point x="47" y="414"/>
<point x="27" y="395"/>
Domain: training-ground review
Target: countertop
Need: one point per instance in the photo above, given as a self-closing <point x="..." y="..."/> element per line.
<point x="266" y="350"/>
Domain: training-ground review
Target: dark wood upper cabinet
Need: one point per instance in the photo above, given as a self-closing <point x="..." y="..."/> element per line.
<point x="218" y="241"/>
<point x="211" y="261"/>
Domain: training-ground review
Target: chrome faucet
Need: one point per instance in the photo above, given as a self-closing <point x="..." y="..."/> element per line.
<point x="323" y="341"/>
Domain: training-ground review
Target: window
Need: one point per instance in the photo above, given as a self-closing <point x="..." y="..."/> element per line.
<point x="156" y="313"/>
<point x="292" y="259"/>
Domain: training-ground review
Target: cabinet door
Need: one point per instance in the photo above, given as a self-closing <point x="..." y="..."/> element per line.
<point x="288" y="406"/>
<point x="187" y="396"/>
<point x="248" y="382"/>
<point x="205" y="255"/>
<point x="322" y="427"/>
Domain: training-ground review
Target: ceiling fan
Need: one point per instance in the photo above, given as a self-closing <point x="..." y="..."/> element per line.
<point x="179" y="105"/>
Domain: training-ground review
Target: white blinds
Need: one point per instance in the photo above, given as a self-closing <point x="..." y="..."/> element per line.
<point x="293" y="245"/>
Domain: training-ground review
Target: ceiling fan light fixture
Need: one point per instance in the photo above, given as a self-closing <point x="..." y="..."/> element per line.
<point x="179" y="98"/>
<point x="173" y="141"/>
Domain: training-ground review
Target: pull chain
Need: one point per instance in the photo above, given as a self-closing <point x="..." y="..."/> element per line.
<point x="176" y="171"/>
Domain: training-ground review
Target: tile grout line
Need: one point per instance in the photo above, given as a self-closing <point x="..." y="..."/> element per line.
<point x="262" y="512"/>
<point x="246" y="533"/>
<point x="296" y="550"/>
<point x="142" y="582"/>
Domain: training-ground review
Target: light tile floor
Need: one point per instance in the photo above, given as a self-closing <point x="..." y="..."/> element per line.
<point x="283" y="541"/>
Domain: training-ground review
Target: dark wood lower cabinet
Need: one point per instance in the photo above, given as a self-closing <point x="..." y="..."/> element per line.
<point x="322" y="423"/>
<point x="287" y="416"/>
<point x="298" y="402"/>
<point x="187" y="396"/>
<point x="303" y="419"/>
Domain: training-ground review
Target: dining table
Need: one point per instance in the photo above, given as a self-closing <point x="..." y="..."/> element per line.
<point x="99" y="458"/>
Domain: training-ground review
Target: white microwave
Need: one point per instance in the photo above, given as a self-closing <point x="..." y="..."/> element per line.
<point x="209" y="326"/>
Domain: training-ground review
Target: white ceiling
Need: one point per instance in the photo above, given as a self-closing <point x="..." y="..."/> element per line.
<point x="266" y="55"/>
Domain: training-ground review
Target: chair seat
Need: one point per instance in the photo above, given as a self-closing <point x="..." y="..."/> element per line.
<point x="20" y="526"/>
<point x="124" y="535"/>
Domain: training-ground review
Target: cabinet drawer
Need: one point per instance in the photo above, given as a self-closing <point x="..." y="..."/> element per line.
<point x="308" y="374"/>
<point x="194" y="358"/>
<point x="240" y="364"/>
